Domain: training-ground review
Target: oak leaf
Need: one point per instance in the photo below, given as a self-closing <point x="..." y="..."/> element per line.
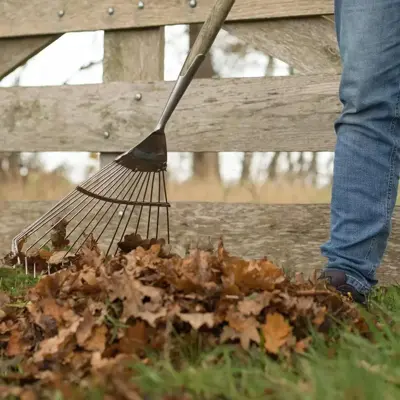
<point x="276" y="332"/>
<point x="56" y="344"/>
<point x="15" y="345"/>
<point x="97" y="342"/>
<point x="197" y="320"/>
<point x="246" y="336"/>
<point x="245" y="328"/>
<point x="134" y="339"/>
<point x="255" y="303"/>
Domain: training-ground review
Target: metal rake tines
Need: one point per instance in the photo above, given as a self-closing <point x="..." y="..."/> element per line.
<point x="115" y="202"/>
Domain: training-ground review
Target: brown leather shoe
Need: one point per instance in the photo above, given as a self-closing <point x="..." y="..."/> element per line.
<point x="338" y="280"/>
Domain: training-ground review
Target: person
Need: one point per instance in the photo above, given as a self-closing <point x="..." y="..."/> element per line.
<point x="366" y="164"/>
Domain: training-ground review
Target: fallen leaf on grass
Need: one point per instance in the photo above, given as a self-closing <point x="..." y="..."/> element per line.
<point x="134" y="339"/>
<point x="276" y="332"/>
<point x="86" y="320"/>
<point x="56" y="258"/>
<point x="302" y="345"/>
<point x="97" y="342"/>
<point x="15" y="345"/>
<point x="57" y="344"/>
<point x="243" y="328"/>
<point x="254" y="305"/>
<point x="197" y="320"/>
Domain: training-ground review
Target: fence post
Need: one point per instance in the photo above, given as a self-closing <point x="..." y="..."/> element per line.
<point x="132" y="55"/>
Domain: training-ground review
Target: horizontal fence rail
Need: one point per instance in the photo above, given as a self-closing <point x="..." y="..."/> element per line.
<point x="294" y="113"/>
<point x="288" y="234"/>
<point x="40" y="17"/>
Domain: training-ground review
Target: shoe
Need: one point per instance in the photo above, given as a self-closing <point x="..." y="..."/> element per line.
<point x="338" y="280"/>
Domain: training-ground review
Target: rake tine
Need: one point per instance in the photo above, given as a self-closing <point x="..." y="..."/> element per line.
<point x="141" y="207"/>
<point x="53" y="225"/>
<point x="130" y="215"/>
<point x="98" y="222"/>
<point x="94" y="217"/>
<point x="55" y="210"/>
<point x="108" y="223"/>
<point x="119" y="223"/>
<point x="151" y="199"/>
<point x="158" y="207"/>
<point x="166" y="200"/>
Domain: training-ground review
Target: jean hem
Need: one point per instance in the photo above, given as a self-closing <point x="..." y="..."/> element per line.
<point x="356" y="283"/>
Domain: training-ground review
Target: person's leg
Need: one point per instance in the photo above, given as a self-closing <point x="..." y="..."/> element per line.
<point x="366" y="164"/>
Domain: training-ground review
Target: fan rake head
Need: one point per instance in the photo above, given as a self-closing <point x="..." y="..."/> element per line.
<point x="128" y="196"/>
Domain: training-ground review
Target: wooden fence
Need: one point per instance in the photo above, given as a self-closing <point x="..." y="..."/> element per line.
<point x="294" y="113"/>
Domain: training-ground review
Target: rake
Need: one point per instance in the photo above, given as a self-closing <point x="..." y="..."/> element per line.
<point x="130" y="193"/>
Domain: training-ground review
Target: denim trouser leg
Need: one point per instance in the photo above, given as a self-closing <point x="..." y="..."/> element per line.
<point x="366" y="167"/>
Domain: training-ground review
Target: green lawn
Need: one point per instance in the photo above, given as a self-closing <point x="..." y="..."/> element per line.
<point x="346" y="366"/>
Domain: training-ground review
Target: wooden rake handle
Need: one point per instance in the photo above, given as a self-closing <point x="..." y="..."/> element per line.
<point x="196" y="55"/>
<point x="208" y="32"/>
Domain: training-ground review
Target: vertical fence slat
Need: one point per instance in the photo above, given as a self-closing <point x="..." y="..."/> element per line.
<point x="132" y="55"/>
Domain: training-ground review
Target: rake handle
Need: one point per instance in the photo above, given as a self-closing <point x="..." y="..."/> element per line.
<point x="196" y="55"/>
<point x="208" y="32"/>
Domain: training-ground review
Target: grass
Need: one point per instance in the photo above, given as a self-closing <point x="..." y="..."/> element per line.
<point x="15" y="282"/>
<point x="348" y="368"/>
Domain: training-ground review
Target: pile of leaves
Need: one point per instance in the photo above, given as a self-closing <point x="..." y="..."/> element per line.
<point x="85" y="323"/>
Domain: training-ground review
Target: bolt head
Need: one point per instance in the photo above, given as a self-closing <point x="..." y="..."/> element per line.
<point x="193" y="3"/>
<point x="106" y="135"/>
<point x="138" y="96"/>
<point x="61" y="13"/>
<point x="110" y="11"/>
<point x="140" y="5"/>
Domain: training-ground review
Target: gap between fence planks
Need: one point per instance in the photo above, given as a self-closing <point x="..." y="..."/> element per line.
<point x="307" y="44"/>
<point x="16" y="51"/>
<point x="294" y="113"/>
<point x="132" y="55"/>
<point x="290" y="235"/>
<point x="34" y="17"/>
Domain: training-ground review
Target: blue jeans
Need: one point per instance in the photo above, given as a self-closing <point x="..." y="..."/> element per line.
<point x="366" y="165"/>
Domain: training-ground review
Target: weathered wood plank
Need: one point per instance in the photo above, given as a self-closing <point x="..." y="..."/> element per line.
<point x="289" y="234"/>
<point x="293" y="113"/>
<point x="307" y="44"/>
<point x="131" y="55"/>
<point x="26" y="17"/>
<point x="16" y="51"/>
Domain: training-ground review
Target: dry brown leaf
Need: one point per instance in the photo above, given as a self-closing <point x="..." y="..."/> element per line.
<point x="304" y="305"/>
<point x="28" y="394"/>
<point x="85" y="327"/>
<point x="302" y="345"/>
<point x="56" y="344"/>
<point x="4" y="299"/>
<point x="255" y="303"/>
<point x="134" y="339"/>
<point x="59" y="233"/>
<point x="246" y="336"/>
<point x="245" y="327"/>
<point x="320" y="317"/>
<point x="276" y="332"/>
<point x="152" y="317"/>
<point x="97" y="342"/>
<point x="56" y="258"/>
<point x="15" y="345"/>
<point x="197" y="320"/>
